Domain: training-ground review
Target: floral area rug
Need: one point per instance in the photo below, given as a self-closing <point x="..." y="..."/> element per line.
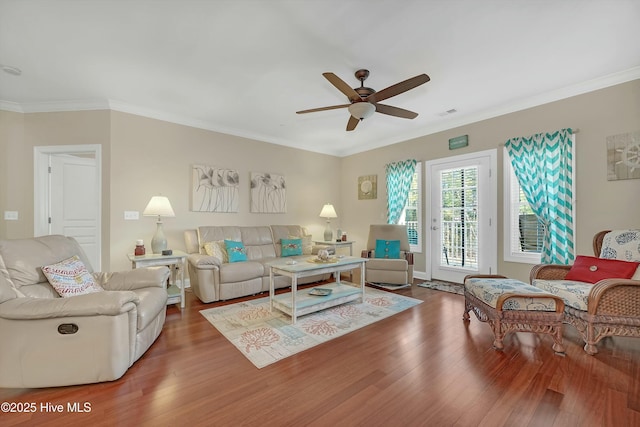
<point x="441" y="285"/>
<point x="265" y="337"/>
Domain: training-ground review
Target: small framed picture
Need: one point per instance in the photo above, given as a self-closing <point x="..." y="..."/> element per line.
<point x="368" y="187"/>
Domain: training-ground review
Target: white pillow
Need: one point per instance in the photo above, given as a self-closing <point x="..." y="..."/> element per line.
<point x="307" y="245"/>
<point x="217" y="249"/>
<point x="71" y="277"/>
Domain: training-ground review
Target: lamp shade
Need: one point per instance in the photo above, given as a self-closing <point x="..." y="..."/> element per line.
<point x="361" y="110"/>
<point x="328" y="211"/>
<point x="158" y="206"/>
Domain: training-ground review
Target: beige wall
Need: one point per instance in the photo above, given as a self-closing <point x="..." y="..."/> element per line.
<point x="19" y="135"/>
<point x="143" y="157"/>
<point x="152" y="157"/>
<point x="601" y="204"/>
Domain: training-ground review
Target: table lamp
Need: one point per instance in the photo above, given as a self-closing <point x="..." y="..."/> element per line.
<point x="328" y="212"/>
<point x="159" y="206"/>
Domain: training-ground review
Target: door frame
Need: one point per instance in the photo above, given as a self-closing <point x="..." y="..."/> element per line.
<point x="492" y="202"/>
<point x="42" y="182"/>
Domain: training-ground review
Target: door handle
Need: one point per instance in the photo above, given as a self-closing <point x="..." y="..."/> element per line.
<point x="433" y="227"/>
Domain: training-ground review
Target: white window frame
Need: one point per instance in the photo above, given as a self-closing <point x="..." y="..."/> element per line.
<point x="511" y="243"/>
<point x="417" y="177"/>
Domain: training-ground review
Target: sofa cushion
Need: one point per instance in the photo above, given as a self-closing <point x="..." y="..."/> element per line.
<point x="574" y="294"/>
<point x="621" y="245"/>
<point x="291" y="247"/>
<point x="236" y="251"/>
<point x="591" y="269"/>
<point x="387" y="264"/>
<point x="241" y="271"/>
<point x="387" y="249"/>
<point x="23" y="259"/>
<point x="70" y="277"/>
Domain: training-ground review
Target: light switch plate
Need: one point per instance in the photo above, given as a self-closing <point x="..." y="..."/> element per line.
<point x="131" y="215"/>
<point x="11" y="215"/>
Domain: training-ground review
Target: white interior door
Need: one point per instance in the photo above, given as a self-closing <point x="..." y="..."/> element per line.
<point x="461" y="216"/>
<point x="68" y="198"/>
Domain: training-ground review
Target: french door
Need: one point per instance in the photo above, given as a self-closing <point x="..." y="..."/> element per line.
<point x="461" y="216"/>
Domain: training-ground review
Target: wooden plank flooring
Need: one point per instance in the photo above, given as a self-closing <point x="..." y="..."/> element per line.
<point x="422" y="367"/>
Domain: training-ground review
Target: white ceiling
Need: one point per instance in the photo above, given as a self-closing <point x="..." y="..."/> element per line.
<point x="245" y="67"/>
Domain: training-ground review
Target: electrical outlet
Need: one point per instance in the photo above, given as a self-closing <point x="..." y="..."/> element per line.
<point x="11" y="215"/>
<point x="131" y="215"/>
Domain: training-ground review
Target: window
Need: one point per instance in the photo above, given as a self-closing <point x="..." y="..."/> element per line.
<point x="523" y="231"/>
<point x="411" y="215"/>
<point x="459" y="212"/>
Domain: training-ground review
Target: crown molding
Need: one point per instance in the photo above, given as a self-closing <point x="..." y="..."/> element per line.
<point x="11" y="106"/>
<point x="523" y="104"/>
<point x="537" y="100"/>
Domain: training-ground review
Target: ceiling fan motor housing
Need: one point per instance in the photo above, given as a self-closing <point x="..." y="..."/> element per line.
<point x="364" y="91"/>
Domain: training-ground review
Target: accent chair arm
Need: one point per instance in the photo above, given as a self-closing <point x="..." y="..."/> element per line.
<point x="548" y="272"/>
<point x="95" y="304"/>
<point x="133" y="279"/>
<point x="615" y="297"/>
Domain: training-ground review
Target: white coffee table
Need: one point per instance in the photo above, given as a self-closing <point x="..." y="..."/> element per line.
<point x="297" y="303"/>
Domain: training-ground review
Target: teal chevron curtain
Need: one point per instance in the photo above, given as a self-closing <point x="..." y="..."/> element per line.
<point x="399" y="177"/>
<point x="543" y="166"/>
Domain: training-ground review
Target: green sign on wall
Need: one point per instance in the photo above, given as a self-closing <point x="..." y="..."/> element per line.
<point x="458" y="142"/>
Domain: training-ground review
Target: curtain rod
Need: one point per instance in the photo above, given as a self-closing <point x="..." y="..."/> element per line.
<point x="573" y="131"/>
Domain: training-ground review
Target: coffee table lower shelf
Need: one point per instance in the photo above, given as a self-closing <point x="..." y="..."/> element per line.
<point x="341" y="293"/>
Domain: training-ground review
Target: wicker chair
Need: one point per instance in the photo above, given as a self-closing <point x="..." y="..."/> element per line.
<point x="613" y="305"/>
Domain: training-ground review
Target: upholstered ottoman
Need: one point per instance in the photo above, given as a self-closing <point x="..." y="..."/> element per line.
<point x="510" y="305"/>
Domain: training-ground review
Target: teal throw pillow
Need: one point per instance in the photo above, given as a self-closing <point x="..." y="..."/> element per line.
<point x="236" y="251"/>
<point x="291" y="247"/>
<point x="388" y="249"/>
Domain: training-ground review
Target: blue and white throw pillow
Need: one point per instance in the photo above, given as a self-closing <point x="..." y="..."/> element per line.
<point x="236" y="251"/>
<point x="291" y="247"/>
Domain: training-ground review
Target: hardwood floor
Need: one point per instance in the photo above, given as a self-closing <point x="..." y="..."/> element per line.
<point x="422" y="367"/>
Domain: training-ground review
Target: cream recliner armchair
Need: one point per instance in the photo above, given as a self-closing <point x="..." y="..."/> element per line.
<point x="52" y="341"/>
<point x="386" y="268"/>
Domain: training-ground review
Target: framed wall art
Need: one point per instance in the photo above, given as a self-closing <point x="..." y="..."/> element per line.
<point x="368" y="187"/>
<point x="623" y="156"/>
<point x="214" y="189"/>
<point x="268" y="193"/>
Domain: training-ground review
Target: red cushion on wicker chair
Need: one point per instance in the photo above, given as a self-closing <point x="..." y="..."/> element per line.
<point x="591" y="269"/>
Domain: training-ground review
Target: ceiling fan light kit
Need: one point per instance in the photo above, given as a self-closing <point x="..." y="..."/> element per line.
<point x="364" y="101"/>
<point x="361" y="110"/>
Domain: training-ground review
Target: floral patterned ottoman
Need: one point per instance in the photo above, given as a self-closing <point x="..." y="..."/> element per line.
<point x="510" y="305"/>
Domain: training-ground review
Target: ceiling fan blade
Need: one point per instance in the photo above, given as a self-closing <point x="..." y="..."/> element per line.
<point x="313" y="110"/>
<point x="395" y="111"/>
<point x="352" y="123"/>
<point x="398" y="88"/>
<point x="342" y="86"/>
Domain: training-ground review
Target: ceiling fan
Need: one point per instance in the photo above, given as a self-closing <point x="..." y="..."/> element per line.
<point x="364" y="100"/>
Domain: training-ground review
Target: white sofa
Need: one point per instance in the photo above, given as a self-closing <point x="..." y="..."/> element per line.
<point x="212" y="279"/>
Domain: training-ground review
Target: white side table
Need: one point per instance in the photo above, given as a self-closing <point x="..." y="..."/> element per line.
<point x="337" y="245"/>
<point x="175" y="261"/>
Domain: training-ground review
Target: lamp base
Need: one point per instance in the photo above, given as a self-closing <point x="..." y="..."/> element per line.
<point x="328" y="233"/>
<point x="159" y="241"/>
